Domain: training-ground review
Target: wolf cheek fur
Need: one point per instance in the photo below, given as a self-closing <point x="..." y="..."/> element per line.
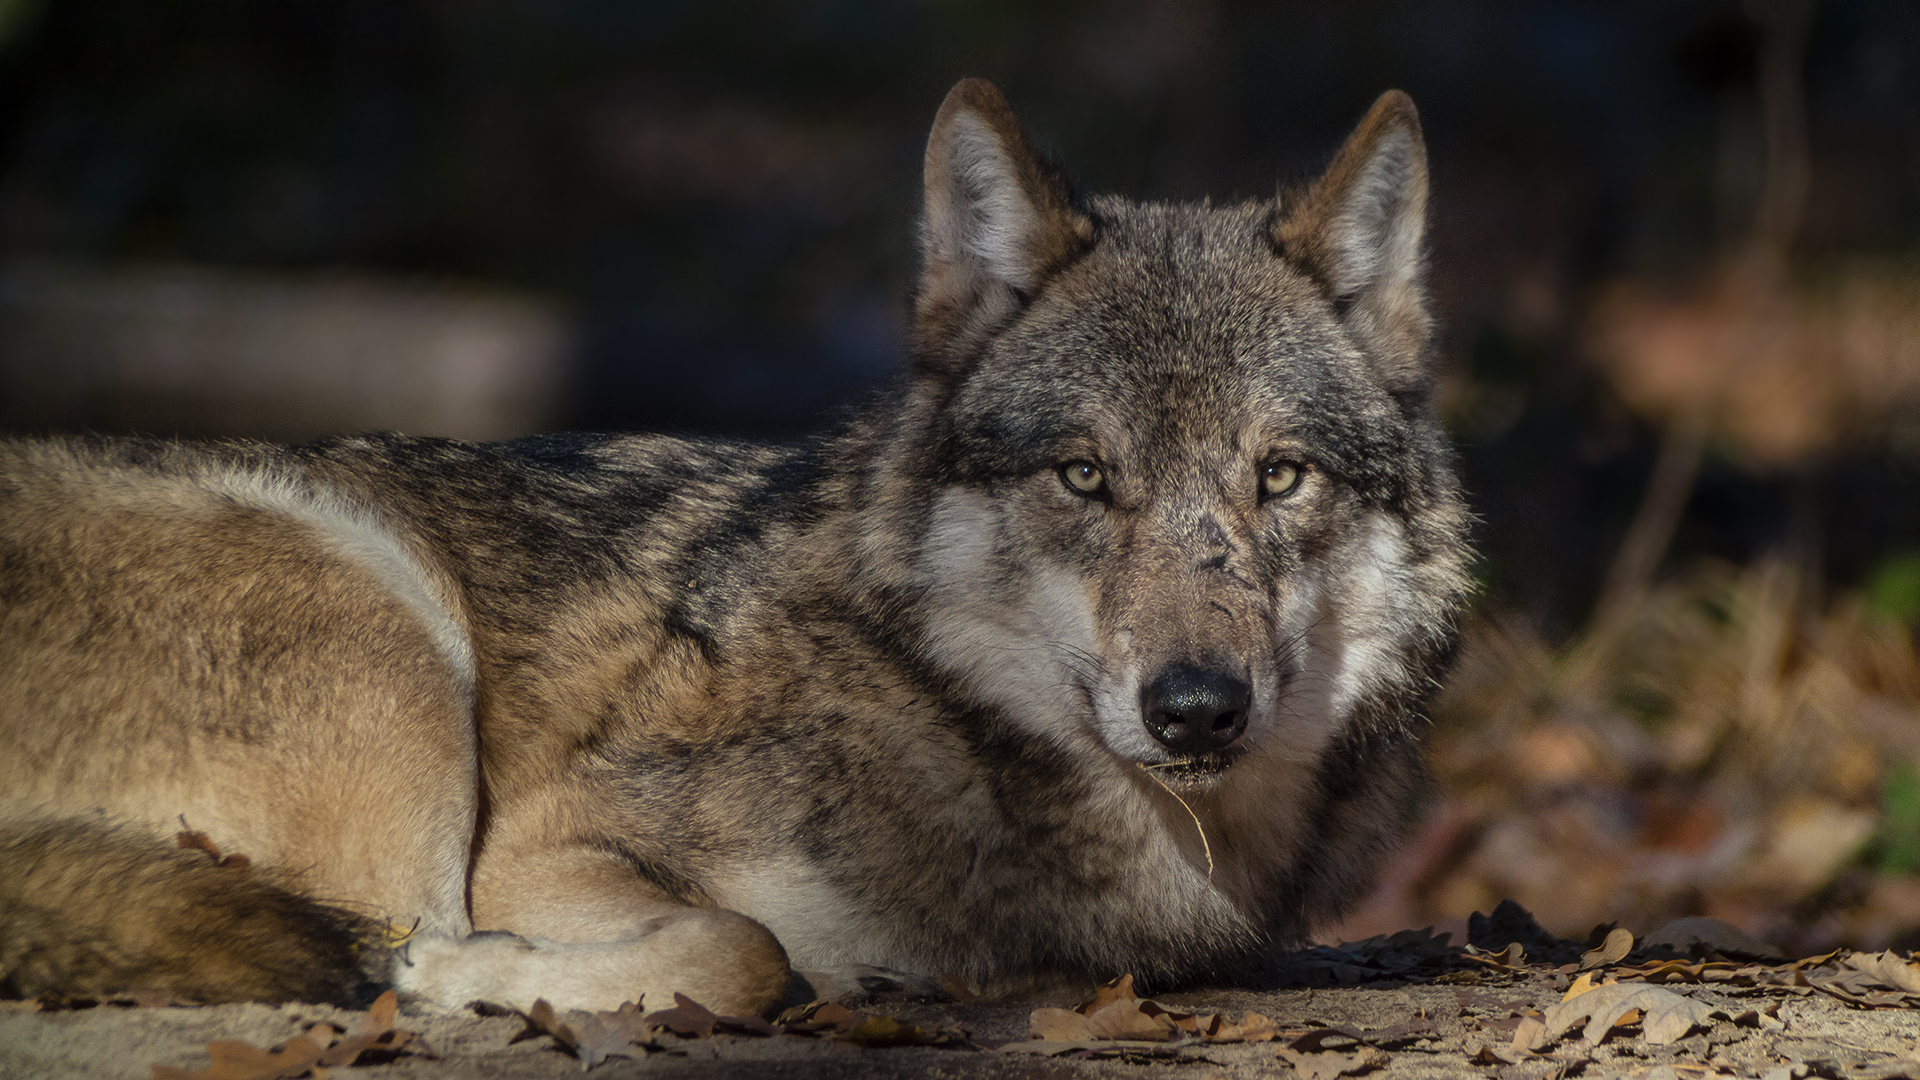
<point x="1098" y="646"/>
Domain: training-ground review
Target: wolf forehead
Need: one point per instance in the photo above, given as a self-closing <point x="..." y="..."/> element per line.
<point x="1179" y="323"/>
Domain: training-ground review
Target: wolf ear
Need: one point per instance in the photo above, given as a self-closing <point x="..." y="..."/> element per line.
<point x="1359" y="229"/>
<point x="996" y="222"/>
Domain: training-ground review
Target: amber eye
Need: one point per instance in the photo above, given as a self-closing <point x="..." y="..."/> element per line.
<point x="1279" y="478"/>
<point x="1084" y="478"/>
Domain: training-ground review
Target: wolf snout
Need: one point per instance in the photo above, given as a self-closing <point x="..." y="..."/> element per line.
<point x="1193" y="711"/>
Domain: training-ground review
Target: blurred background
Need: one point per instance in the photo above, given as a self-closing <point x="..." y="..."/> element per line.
<point x="1676" y="248"/>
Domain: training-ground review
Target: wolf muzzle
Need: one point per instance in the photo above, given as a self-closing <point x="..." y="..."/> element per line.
<point x="1194" y="712"/>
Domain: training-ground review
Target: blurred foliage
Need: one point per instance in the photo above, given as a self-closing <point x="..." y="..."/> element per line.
<point x="1894" y="587"/>
<point x="1897" y="847"/>
<point x="1731" y="745"/>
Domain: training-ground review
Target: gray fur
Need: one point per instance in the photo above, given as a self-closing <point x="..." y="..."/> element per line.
<point x="881" y="692"/>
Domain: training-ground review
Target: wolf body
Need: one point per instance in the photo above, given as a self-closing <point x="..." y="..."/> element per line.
<point x="1099" y="645"/>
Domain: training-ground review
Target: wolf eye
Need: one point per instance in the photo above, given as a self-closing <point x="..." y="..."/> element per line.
<point x="1084" y="478"/>
<point x="1279" y="478"/>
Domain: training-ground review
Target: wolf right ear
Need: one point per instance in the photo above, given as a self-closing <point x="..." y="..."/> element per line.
<point x="1360" y="230"/>
<point x="995" y="224"/>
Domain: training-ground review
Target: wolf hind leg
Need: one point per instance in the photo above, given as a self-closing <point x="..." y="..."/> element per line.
<point x="89" y="909"/>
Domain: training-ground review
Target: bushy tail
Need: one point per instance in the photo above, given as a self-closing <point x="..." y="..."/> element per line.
<point x="88" y="910"/>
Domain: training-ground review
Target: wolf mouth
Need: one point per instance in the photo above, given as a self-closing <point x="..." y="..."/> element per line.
<point x="1196" y="771"/>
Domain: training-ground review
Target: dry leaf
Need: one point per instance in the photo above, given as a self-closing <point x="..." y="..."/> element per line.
<point x="1130" y="1020"/>
<point x="1579" y="986"/>
<point x="1120" y="989"/>
<point x="1487" y="1055"/>
<point x="1529" y="1033"/>
<point x="1667" y="1015"/>
<point x="1328" y="1066"/>
<point x="236" y="1060"/>
<point x="540" y="1020"/>
<point x="1618" y="944"/>
<point x="688" y="1018"/>
<point x="1252" y="1027"/>
<point x="604" y="1034"/>
<point x="1681" y="935"/>
<point x="1512" y="958"/>
<point x="1115" y="1015"/>
<point x="1058" y="1025"/>
<point x="384" y="1012"/>
<point x="1888" y="969"/>
<point x="318" y="1049"/>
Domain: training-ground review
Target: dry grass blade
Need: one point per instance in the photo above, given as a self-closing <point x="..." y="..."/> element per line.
<point x="1205" y="847"/>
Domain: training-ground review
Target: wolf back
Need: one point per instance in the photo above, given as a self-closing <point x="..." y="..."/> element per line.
<point x="1098" y="645"/>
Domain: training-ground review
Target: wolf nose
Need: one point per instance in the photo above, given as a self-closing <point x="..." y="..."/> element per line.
<point x="1194" y="711"/>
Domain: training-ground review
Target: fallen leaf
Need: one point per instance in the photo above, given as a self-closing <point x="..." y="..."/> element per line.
<point x="1487" y="1055"/>
<point x="1115" y="1015"/>
<point x="1666" y="1016"/>
<point x="1058" y="1025"/>
<point x="1579" y="986"/>
<point x="1513" y="958"/>
<point x="1120" y="989"/>
<point x="688" y="1018"/>
<point x="540" y="1020"/>
<point x="377" y="1040"/>
<point x="1130" y="1020"/>
<point x="1887" y="969"/>
<point x="1252" y="1027"/>
<point x="1328" y="1066"/>
<point x="236" y="1060"/>
<point x="1618" y="944"/>
<point x="1529" y="1033"/>
<point x="1681" y="935"/>
<point x="317" y="1049"/>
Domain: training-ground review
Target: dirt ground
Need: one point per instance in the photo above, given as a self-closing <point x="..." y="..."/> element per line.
<point x="1406" y="1006"/>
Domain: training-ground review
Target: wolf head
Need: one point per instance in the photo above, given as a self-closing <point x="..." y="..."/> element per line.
<point x="1189" y="500"/>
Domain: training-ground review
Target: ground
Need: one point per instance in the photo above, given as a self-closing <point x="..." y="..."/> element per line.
<point x="1407" y="1006"/>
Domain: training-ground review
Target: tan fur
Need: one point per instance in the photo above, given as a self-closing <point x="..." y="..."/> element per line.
<point x="656" y="715"/>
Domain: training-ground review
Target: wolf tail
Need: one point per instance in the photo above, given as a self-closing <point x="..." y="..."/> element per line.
<point x="89" y="910"/>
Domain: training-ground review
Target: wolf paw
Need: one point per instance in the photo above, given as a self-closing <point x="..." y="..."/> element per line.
<point x="862" y="984"/>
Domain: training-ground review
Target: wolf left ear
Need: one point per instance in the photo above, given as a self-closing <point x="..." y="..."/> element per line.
<point x="1359" y="230"/>
<point x="996" y="222"/>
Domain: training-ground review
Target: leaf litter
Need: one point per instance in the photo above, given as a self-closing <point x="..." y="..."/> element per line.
<point x="314" y="1053"/>
<point x="1614" y="993"/>
<point x="592" y="1037"/>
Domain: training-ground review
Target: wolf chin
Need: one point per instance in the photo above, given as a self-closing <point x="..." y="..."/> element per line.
<point x="1098" y="645"/>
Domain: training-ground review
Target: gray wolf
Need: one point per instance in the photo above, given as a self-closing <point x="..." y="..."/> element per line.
<point x="1098" y="645"/>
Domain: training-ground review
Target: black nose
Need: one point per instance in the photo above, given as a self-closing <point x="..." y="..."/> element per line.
<point x="1194" y="711"/>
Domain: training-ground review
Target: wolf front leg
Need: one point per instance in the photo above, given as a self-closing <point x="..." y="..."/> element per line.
<point x="584" y="931"/>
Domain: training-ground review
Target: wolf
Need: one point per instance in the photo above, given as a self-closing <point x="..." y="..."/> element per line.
<point x="1097" y="644"/>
